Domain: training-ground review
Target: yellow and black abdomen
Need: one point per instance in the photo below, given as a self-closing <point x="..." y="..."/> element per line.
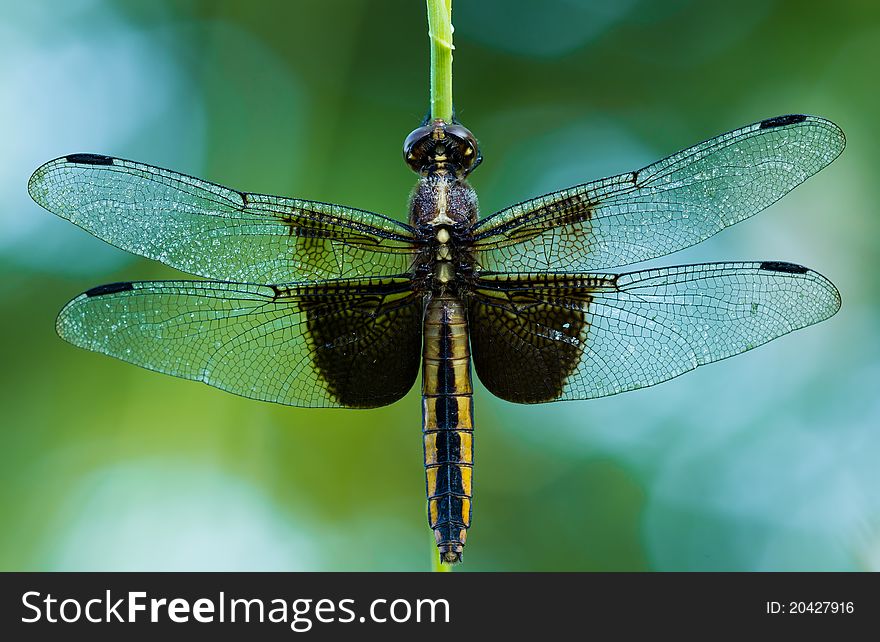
<point x="447" y="423"/>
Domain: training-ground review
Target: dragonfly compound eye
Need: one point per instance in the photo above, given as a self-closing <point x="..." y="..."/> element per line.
<point x="417" y="148"/>
<point x="464" y="146"/>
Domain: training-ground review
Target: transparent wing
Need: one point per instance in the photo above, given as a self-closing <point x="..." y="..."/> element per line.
<point x="662" y="208"/>
<point x="345" y="343"/>
<point x="538" y="338"/>
<point x="217" y="232"/>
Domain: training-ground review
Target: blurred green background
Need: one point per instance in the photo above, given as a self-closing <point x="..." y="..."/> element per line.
<point x="764" y="462"/>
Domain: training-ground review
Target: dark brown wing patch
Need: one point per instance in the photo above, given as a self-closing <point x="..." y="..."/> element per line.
<point x="569" y="209"/>
<point x="366" y="345"/>
<point x="528" y="334"/>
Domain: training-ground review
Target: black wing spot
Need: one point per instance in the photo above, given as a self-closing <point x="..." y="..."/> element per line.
<point x="782" y="266"/>
<point x="110" y="288"/>
<point x="89" y="159"/>
<point x="779" y="121"/>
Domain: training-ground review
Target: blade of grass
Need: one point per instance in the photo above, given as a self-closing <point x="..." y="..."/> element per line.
<point x="440" y="35"/>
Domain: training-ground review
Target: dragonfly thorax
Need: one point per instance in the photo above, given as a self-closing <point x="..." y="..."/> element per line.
<point x="442" y="199"/>
<point x="443" y="208"/>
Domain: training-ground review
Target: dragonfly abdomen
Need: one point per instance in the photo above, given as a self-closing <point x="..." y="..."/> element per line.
<point x="447" y="423"/>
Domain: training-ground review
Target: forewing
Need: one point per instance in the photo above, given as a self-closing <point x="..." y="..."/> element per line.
<point x="339" y="344"/>
<point x="662" y="208"/>
<point x="216" y="232"/>
<point x="543" y="337"/>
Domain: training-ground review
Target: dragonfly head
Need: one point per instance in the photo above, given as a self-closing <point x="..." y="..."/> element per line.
<point x="440" y="147"/>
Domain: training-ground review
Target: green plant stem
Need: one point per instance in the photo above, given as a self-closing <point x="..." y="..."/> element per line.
<point x="440" y="35"/>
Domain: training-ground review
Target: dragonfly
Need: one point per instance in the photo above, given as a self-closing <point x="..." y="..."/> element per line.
<point x="313" y="304"/>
